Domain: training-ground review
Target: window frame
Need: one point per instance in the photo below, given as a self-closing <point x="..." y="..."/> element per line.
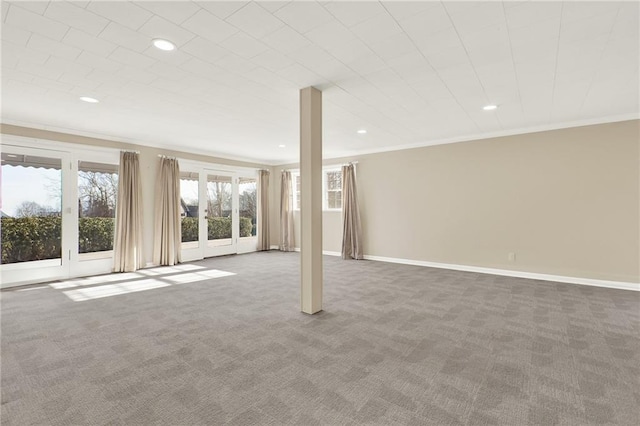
<point x="295" y="175"/>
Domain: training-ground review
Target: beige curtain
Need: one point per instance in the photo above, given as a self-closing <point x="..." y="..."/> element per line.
<point x="167" y="236"/>
<point x="287" y="242"/>
<point x="264" y="238"/>
<point x="351" y="226"/>
<point x="127" y="247"/>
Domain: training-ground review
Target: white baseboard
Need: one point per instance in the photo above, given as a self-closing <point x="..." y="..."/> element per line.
<point x="325" y="252"/>
<point x="621" y="285"/>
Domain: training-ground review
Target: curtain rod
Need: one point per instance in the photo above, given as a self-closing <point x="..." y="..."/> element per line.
<point x="325" y="166"/>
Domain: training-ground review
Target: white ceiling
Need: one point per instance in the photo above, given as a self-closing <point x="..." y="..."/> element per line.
<point x="410" y="73"/>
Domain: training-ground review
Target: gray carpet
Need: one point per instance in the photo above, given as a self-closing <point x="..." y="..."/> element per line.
<point x="396" y="345"/>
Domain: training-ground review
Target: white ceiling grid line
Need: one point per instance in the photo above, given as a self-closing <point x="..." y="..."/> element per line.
<point x="411" y="73"/>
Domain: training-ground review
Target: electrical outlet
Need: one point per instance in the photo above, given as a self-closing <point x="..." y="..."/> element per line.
<point x="512" y="257"/>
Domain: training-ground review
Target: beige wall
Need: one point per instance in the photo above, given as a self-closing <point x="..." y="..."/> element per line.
<point x="148" y="165"/>
<point x="566" y="202"/>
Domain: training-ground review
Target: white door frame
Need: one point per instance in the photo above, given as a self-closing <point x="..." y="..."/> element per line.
<point x="203" y="247"/>
<point x="72" y="264"/>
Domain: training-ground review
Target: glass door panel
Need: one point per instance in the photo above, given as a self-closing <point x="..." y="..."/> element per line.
<point x="247" y="190"/>
<point x="97" y="195"/>
<point x="31" y="209"/>
<point x="189" y="209"/>
<point x="220" y="217"/>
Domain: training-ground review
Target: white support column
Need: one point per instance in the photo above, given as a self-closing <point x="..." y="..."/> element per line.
<point x="311" y="200"/>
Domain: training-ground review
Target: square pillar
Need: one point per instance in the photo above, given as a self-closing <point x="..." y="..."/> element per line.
<point x="311" y="200"/>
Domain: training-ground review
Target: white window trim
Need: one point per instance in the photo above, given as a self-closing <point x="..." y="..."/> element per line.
<point x="295" y="173"/>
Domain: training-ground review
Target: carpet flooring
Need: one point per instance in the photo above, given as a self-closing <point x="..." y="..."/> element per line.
<point x="222" y="341"/>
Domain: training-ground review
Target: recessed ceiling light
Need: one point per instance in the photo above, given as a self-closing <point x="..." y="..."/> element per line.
<point x="362" y="131"/>
<point x="12" y="156"/>
<point x="489" y="107"/>
<point x="88" y="99"/>
<point x="282" y="146"/>
<point x="163" y="44"/>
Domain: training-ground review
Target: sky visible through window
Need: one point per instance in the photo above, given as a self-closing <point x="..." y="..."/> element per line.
<point x="24" y="184"/>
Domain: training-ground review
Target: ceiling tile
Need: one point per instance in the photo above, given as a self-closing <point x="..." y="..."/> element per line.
<point x="331" y="35"/>
<point x="367" y="63"/>
<point x="15" y="35"/>
<point x="55" y="48"/>
<point x="52" y="84"/>
<point x="411" y="66"/>
<point x="76" y="17"/>
<point x="478" y="16"/>
<point x="352" y="12"/>
<point x="441" y="41"/>
<point x="587" y="28"/>
<point x="16" y="52"/>
<point x="272" y="6"/>
<point x="136" y="74"/>
<point x="174" y="11"/>
<point x="394" y="46"/>
<point x="528" y="13"/>
<point x="175" y="57"/>
<point x="572" y="11"/>
<point x="30" y="21"/>
<point x="95" y="61"/>
<point x="303" y="16"/>
<point x="204" y="49"/>
<point x="4" y="10"/>
<point x="350" y="52"/>
<point x="401" y="10"/>
<point x="84" y="41"/>
<point x="422" y="25"/>
<point x="222" y="9"/>
<point x="124" y="13"/>
<point x="254" y="20"/>
<point x="168" y="72"/>
<point x="272" y="60"/>
<point x="33" y="6"/>
<point x="301" y="76"/>
<point x="209" y="26"/>
<point x="131" y="58"/>
<point x="235" y="63"/>
<point x="244" y="45"/>
<point x="58" y="66"/>
<point x="157" y="27"/>
<point x="376" y="29"/>
<point x="286" y="40"/>
<point x="123" y="36"/>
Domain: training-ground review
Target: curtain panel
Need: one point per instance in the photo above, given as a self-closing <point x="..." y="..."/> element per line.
<point x="167" y="235"/>
<point x="287" y="241"/>
<point x="127" y="247"/>
<point x="351" y="225"/>
<point x="264" y="238"/>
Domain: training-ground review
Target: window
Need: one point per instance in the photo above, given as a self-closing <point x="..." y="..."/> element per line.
<point x="296" y="193"/>
<point x="247" y="190"/>
<point x="331" y="189"/>
<point x="97" y="194"/>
